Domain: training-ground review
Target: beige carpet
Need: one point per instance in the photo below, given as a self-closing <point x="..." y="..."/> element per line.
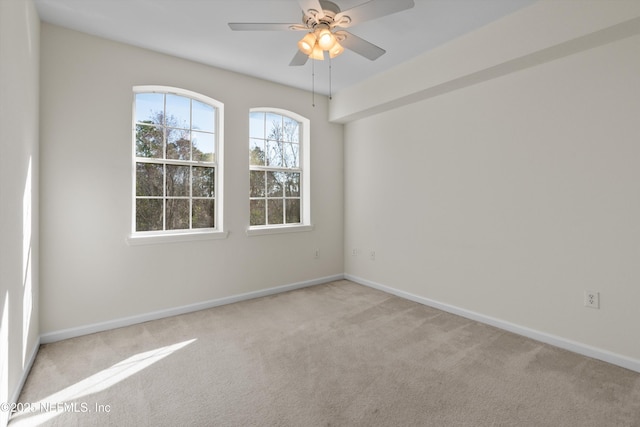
<point x="338" y="354"/>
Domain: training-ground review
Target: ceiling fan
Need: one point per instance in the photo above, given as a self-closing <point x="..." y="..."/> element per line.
<point x="324" y="22"/>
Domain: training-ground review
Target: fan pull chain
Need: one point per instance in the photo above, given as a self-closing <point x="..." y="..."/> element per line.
<point x="330" y="78"/>
<point x="313" y="83"/>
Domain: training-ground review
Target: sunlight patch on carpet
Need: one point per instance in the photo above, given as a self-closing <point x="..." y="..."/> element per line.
<point x="63" y="400"/>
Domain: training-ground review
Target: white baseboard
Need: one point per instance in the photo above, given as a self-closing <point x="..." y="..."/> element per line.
<point x="25" y="372"/>
<point x="54" y="336"/>
<point x="576" y="347"/>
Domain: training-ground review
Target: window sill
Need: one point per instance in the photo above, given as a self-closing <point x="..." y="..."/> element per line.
<point x="259" y="231"/>
<point x="152" y="239"/>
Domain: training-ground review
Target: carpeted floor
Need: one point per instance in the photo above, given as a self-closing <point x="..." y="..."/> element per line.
<point x="338" y="354"/>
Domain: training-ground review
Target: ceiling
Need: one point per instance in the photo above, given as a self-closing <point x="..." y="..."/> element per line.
<point x="198" y="30"/>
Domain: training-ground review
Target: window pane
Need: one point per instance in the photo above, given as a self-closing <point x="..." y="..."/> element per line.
<point x="257" y="216"/>
<point x="178" y="134"/>
<point x="275" y="211"/>
<point x="149" y="141"/>
<point x="149" y="107"/>
<point x="274" y="184"/>
<point x="293" y="211"/>
<point x="274" y="153"/>
<point x="203" y="146"/>
<point x="203" y="214"/>
<point x="274" y="126"/>
<point x="291" y="131"/>
<point x="203" y="184"/>
<point x="291" y="184"/>
<point x="256" y="125"/>
<point x="256" y="184"/>
<point x="149" y="178"/>
<point x="148" y="214"/>
<point x="177" y="181"/>
<point x="177" y="214"/>
<point x="256" y="152"/>
<point x="275" y="148"/>
<point x="203" y="116"/>
<point x="178" y="113"/>
<point x="290" y="155"/>
<point x="178" y="144"/>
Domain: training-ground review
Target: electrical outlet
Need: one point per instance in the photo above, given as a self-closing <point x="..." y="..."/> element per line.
<point x="316" y="253"/>
<point x="372" y="255"/>
<point x="354" y="252"/>
<point x="591" y="299"/>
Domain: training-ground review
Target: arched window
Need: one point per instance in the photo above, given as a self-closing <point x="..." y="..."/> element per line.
<point x="279" y="160"/>
<point x="177" y="157"/>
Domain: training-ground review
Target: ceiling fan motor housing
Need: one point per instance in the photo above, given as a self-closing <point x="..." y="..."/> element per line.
<point x="329" y="10"/>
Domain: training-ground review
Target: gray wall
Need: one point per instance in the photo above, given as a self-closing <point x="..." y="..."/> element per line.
<point x="89" y="273"/>
<point x="510" y="192"/>
<point x="19" y="59"/>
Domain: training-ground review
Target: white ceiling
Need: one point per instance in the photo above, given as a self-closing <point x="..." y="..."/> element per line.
<point x="198" y="30"/>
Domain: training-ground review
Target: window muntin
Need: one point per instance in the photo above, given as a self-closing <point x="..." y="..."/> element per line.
<point x="278" y="175"/>
<point x="177" y="144"/>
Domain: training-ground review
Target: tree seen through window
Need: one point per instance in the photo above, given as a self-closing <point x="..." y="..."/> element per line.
<point x="275" y="172"/>
<point x="175" y="186"/>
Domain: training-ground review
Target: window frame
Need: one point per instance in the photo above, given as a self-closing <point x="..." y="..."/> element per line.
<point x="305" y="175"/>
<point x="165" y="236"/>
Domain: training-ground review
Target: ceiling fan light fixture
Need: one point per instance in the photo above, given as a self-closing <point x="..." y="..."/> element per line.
<point x="307" y="43"/>
<point x="317" y="53"/>
<point x="326" y="40"/>
<point x="336" y="50"/>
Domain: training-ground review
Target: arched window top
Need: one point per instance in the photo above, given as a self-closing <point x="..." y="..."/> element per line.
<point x="178" y="91"/>
<point x="282" y="112"/>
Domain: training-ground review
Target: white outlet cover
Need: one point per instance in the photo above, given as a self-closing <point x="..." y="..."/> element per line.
<point x="591" y="299"/>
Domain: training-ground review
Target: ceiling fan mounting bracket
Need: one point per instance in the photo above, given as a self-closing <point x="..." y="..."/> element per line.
<point x="329" y="6"/>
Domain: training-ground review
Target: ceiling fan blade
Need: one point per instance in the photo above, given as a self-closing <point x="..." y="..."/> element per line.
<point x="371" y="10"/>
<point x="256" y="26"/>
<point x="300" y="58"/>
<point x="307" y="5"/>
<point x="360" y="46"/>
